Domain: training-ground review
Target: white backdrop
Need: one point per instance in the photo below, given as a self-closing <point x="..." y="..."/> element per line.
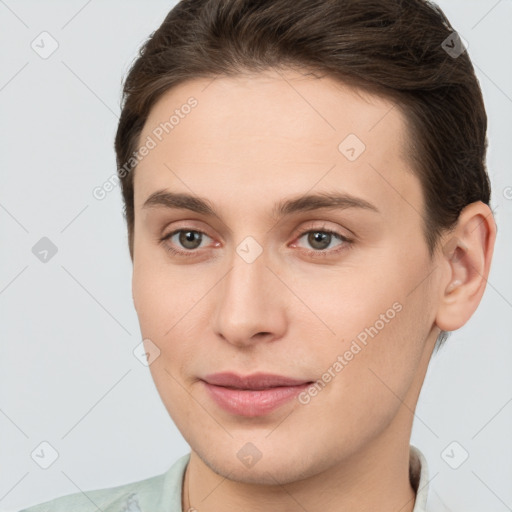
<point x="68" y="374"/>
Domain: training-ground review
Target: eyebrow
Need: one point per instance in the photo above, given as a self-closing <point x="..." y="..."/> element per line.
<point x="334" y="200"/>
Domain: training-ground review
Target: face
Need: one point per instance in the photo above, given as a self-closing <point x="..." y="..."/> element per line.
<point x="258" y="277"/>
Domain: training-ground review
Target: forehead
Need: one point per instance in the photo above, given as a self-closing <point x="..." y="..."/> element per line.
<point x="275" y="133"/>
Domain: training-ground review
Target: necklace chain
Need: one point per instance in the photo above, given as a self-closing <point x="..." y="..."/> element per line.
<point x="188" y="492"/>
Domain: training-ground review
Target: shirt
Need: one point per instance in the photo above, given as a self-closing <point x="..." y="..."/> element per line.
<point x="162" y="493"/>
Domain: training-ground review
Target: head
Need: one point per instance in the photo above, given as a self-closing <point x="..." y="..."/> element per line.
<point x="325" y="163"/>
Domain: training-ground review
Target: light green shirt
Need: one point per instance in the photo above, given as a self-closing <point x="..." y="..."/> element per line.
<point x="162" y="493"/>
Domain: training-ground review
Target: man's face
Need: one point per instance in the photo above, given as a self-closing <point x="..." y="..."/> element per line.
<point x="260" y="290"/>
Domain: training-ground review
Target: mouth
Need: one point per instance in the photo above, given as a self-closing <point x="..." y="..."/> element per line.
<point x="256" y="381"/>
<point x="252" y="395"/>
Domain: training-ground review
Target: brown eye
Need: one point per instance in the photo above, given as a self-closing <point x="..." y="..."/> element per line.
<point x="184" y="242"/>
<point x="190" y="239"/>
<point x="319" y="239"/>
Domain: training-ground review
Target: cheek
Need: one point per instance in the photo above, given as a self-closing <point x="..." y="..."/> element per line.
<point x="376" y="315"/>
<point x="170" y="302"/>
<point x="164" y="300"/>
<point x="368" y="375"/>
<point x="345" y="300"/>
<point x="163" y="295"/>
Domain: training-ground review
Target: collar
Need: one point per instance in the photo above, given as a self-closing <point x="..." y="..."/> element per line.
<point x="418" y="475"/>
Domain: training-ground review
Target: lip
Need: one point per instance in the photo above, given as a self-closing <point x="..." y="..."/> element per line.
<point x="252" y="395"/>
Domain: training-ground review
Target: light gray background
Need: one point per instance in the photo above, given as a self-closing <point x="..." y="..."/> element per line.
<point x="68" y="326"/>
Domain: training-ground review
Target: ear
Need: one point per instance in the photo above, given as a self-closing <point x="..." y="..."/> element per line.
<point x="466" y="260"/>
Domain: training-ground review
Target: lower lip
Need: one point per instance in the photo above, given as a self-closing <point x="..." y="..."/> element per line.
<point x="253" y="403"/>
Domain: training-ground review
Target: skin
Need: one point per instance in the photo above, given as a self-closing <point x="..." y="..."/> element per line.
<point x="252" y="141"/>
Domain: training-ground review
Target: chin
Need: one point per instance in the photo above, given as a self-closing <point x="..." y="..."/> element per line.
<point x="272" y="469"/>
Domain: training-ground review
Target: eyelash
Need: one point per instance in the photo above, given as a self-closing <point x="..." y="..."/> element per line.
<point x="321" y="253"/>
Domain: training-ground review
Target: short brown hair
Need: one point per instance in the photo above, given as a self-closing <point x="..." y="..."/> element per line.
<point x="399" y="49"/>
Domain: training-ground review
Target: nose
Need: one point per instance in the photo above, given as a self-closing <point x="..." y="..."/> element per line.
<point x="251" y="304"/>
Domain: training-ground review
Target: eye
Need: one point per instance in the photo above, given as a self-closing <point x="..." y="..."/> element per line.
<point x="188" y="239"/>
<point x="321" y="239"/>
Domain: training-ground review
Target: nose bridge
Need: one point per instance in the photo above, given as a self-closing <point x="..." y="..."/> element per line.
<point x="246" y="303"/>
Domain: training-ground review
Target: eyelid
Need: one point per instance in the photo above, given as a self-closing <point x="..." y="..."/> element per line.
<point x="322" y="225"/>
<point x="188" y="225"/>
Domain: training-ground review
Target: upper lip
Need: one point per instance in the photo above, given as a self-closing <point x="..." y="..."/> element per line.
<point x="254" y="381"/>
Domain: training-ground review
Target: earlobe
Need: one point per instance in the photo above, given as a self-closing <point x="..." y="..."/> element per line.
<point x="466" y="256"/>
